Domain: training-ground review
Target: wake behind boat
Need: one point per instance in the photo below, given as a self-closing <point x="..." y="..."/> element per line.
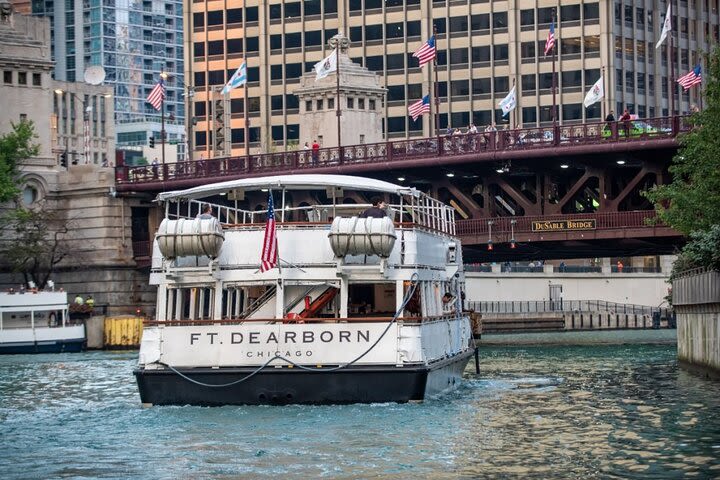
<point x="306" y="303"/>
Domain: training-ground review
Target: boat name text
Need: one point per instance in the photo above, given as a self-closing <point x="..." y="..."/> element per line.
<point x="260" y="338"/>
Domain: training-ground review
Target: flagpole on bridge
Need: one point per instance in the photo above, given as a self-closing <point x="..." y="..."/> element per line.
<point x="163" y="76"/>
<point x="554" y="82"/>
<point x="338" y="111"/>
<point x="603" y="107"/>
<point x="246" y="132"/>
<point x="436" y="90"/>
<point x="674" y="85"/>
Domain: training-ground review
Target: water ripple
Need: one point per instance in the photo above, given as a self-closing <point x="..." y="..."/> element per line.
<point x="545" y="412"/>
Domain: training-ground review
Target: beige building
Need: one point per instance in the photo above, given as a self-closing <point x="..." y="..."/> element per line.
<point x="483" y="49"/>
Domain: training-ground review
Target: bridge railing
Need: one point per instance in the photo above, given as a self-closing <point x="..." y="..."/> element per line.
<point x="521" y="139"/>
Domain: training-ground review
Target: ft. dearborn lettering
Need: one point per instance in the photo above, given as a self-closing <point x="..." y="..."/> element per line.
<point x="259" y="338"/>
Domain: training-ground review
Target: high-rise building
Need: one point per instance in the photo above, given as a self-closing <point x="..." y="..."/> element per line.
<point x="134" y="41"/>
<point x="483" y="49"/>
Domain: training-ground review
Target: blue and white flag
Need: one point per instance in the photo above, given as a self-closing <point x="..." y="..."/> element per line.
<point x="509" y="102"/>
<point x="239" y="78"/>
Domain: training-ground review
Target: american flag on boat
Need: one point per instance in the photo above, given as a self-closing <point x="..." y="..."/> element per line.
<point x="269" y="256"/>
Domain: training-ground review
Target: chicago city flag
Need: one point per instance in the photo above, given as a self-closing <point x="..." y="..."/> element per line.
<point x="420" y="107"/>
<point x="595" y="94"/>
<point x="239" y="78"/>
<point x="326" y="65"/>
<point x="509" y="102"/>
<point x="667" y="26"/>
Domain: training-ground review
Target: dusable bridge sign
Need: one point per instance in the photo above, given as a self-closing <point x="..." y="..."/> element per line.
<point x="564" y="225"/>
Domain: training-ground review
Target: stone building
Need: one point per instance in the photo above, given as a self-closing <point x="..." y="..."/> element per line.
<point x="361" y="100"/>
<point x="100" y="224"/>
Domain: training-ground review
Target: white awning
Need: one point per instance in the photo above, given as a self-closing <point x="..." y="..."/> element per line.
<point x="290" y="182"/>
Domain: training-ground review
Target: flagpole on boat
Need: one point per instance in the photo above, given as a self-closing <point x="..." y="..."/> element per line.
<point x="437" y="98"/>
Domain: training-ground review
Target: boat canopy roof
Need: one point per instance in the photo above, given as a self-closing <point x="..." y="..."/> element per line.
<point x="290" y="182"/>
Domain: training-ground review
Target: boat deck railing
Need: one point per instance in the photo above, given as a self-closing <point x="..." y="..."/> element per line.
<point x="272" y="321"/>
<point x="431" y="214"/>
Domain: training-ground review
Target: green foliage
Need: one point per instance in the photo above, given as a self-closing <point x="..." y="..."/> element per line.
<point x="703" y="250"/>
<point x="33" y="242"/>
<point x="14" y="147"/>
<point x="692" y="201"/>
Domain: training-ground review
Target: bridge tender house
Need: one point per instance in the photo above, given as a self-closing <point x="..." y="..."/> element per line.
<point x="563" y="225"/>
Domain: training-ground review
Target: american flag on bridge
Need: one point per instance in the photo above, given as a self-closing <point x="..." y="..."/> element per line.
<point x="550" y="42"/>
<point x="426" y="52"/>
<point x="156" y="95"/>
<point x="420" y="107"/>
<point x="692" y="78"/>
<point x="269" y="256"/>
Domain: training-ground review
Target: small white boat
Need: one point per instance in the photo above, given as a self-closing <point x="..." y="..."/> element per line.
<point x="38" y="322"/>
<point x="349" y="310"/>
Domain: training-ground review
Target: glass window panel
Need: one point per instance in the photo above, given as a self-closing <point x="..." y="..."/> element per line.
<point x="458" y="55"/>
<point x="528" y="83"/>
<point x="480" y="21"/>
<point x="569" y="13"/>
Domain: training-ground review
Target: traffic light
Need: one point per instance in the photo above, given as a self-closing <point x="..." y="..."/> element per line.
<point x="152" y="142"/>
<point x="63" y="159"/>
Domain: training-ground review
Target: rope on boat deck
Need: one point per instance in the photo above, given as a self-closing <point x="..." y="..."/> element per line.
<point x="406" y="299"/>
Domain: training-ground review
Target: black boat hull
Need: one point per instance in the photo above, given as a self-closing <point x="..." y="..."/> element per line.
<point x="49" y="346"/>
<point x="355" y="384"/>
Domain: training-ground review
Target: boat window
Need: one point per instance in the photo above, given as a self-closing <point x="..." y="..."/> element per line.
<point x="367" y="299"/>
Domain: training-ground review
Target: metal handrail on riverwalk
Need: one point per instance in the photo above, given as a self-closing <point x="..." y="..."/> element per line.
<point x="568" y="306"/>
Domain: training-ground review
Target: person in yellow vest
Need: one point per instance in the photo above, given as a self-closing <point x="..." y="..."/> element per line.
<point x="79" y="300"/>
<point x="90" y="302"/>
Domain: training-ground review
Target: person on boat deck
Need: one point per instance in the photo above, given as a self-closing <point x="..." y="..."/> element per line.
<point x="448" y="303"/>
<point x="377" y="210"/>
<point x="79" y="300"/>
<point x="206" y="212"/>
<point x="90" y="301"/>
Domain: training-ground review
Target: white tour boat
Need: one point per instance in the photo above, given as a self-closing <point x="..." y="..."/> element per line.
<point x="38" y="322"/>
<point x="306" y="303"/>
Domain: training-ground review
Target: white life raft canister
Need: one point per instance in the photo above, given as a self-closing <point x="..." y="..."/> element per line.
<point x="190" y="237"/>
<point x="362" y="236"/>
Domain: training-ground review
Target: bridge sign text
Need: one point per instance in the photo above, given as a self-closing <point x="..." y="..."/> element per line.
<point x="563" y="225"/>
